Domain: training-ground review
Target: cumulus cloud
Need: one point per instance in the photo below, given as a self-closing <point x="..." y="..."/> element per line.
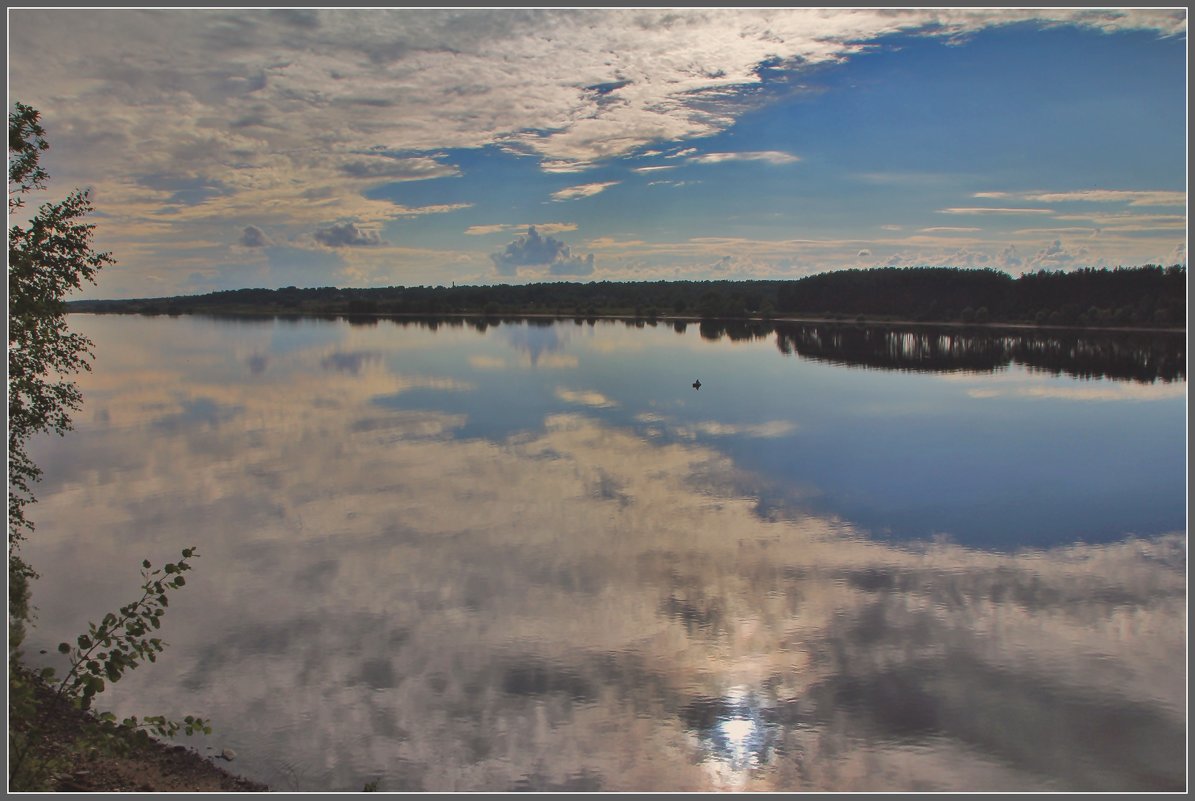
<point x="534" y="250"/>
<point x="582" y="190"/>
<point x="769" y="156"/>
<point x="254" y="237"/>
<point x="347" y="235"/>
<point x="1009" y="257"/>
<point x="1055" y="256"/>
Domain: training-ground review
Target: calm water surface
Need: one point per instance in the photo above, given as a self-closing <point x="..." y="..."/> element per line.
<point x="534" y="557"/>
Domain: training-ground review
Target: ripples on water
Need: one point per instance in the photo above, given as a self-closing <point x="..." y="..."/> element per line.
<point x="533" y="557"/>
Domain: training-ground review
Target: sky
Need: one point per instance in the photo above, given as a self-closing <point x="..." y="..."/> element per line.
<point x="230" y="148"/>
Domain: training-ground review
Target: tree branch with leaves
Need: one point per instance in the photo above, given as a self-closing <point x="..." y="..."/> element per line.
<point x="51" y="254"/>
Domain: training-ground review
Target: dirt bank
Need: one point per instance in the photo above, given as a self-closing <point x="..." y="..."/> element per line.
<point x="66" y="741"/>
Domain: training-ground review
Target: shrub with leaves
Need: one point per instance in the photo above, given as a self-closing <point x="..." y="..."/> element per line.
<point x="118" y="643"/>
<point x="122" y="641"/>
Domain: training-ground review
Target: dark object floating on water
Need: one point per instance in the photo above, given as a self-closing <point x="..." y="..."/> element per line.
<point x="697" y="384"/>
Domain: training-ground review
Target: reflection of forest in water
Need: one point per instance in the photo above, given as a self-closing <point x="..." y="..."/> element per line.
<point x="1146" y="357"/>
<point x="1142" y="356"/>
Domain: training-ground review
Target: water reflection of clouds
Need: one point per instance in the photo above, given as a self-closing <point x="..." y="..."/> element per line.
<point x="585" y="398"/>
<point x="572" y="608"/>
<point x="479" y="362"/>
<point x="1028" y="384"/>
<point x="349" y="361"/>
<point x="535" y="340"/>
<point x="659" y="424"/>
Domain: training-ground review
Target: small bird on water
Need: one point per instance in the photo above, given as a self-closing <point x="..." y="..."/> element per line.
<point x="697" y="384"/>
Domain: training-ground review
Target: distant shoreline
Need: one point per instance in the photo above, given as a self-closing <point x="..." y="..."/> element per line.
<point x="1136" y="298"/>
<point x="661" y="318"/>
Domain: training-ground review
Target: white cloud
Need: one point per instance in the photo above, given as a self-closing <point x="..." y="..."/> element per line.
<point x="380" y="167"/>
<point x="583" y="190"/>
<point x="986" y="210"/>
<point x="547" y="228"/>
<point x="1055" y="256"/>
<point x="1130" y="197"/>
<point x="1129" y="221"/>
<point x="769" y="156"/>
<point x="949" y="230"/>
<point x="419" y="211"/>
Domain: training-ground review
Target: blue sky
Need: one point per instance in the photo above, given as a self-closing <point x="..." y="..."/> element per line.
<point x="230" y="148"/>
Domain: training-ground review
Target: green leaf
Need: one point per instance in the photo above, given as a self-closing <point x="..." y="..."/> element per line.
<point x="145" y="564"/>
<point x="84" y="642"/>
<point x="63" y="648"/>
<point x="169" y="568"/>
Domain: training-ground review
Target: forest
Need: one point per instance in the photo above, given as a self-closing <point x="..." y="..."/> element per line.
<point x="1151" y="296"/>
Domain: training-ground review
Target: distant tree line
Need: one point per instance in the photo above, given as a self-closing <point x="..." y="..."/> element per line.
<point x="1149" y="296"/>
<point x="1140" y="296"/>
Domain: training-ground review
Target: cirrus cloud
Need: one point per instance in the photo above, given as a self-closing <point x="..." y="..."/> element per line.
<point x="769" y="156"/>
<point x="583" y="190"/>
<point x="1130" y="197"/>
<point x="986" y="210"/>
